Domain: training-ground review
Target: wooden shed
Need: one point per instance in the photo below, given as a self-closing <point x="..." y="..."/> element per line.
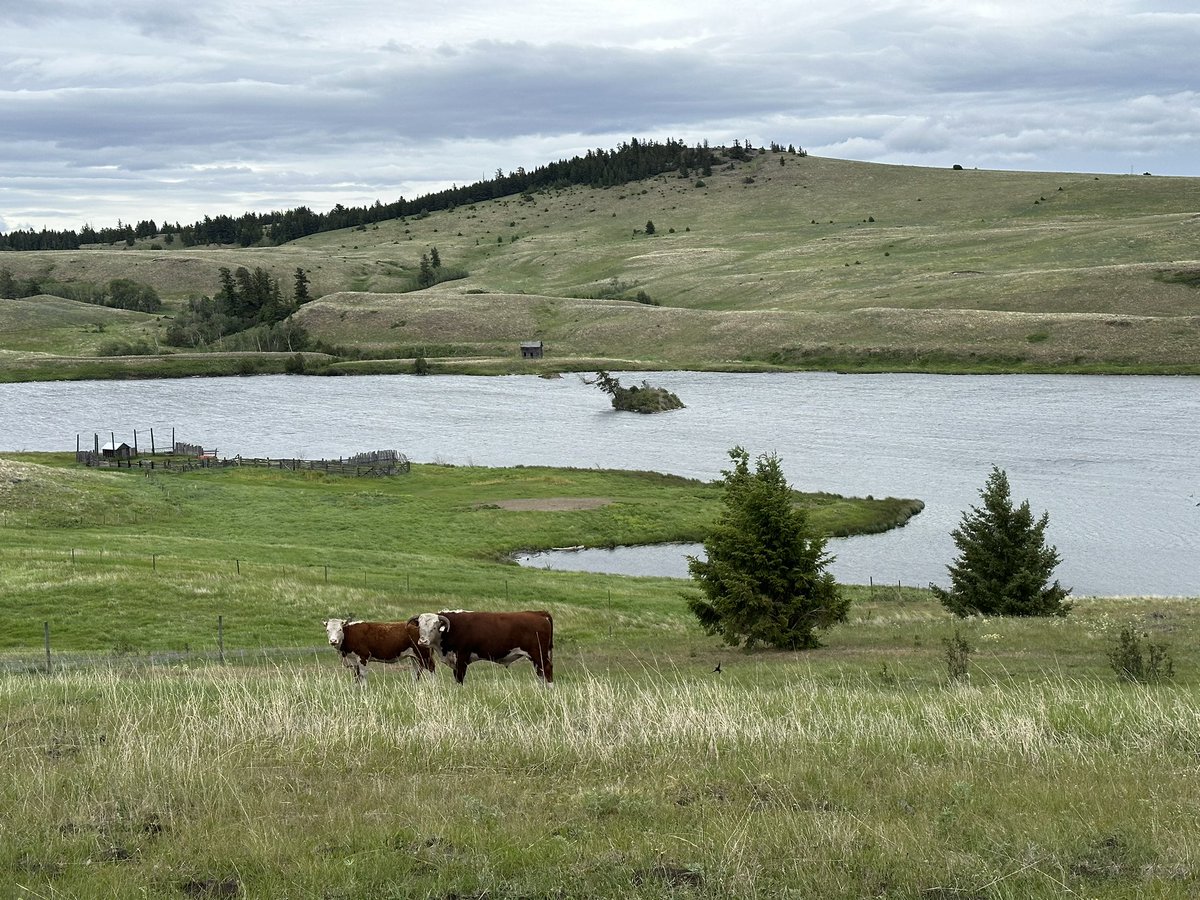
<point x="532" y="350"/>
<point x="116" y="451"/>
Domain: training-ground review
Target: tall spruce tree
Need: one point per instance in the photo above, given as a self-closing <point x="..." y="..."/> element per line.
<point x="764" y="579"/>
<point x="1004" y="566"/>
<point x="300" y="294"/>
<point x="425" y="276"/>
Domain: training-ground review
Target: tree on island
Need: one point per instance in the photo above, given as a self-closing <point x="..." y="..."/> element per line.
<point x="1004" y="566"/>
<point x="764" y="580"/>
<point x="643" y="399"/>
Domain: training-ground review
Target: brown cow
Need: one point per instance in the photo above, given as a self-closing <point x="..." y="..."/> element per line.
<point x="360" y="642"/>
<point x="462" y="637"/>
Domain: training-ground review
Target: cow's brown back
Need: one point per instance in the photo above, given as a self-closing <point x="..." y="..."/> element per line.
<point x="384" y="641"/>
<point x="499" y="637"/>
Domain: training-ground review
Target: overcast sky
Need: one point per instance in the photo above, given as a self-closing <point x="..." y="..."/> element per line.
<point x="140" y="109"/>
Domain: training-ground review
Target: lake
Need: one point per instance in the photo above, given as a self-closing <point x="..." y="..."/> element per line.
<point x="1112" y="459"/>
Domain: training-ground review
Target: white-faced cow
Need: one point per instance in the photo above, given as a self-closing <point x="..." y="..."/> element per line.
<point x="389" y="642"/>
<point x="462" y="638"/>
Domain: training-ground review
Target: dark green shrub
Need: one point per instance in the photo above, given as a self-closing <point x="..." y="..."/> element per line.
<point x="957" y="654"/>
<point x="136" y="347"/>
<point x="1138" y="660"/>
<point x="643" y="297"/>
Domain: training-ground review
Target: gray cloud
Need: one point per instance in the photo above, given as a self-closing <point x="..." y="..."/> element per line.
<point x="138" y="110"/>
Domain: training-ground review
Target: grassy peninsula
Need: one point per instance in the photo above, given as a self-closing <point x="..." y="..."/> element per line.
<point x="145" y="765"/>
<point x="778" y="261"/>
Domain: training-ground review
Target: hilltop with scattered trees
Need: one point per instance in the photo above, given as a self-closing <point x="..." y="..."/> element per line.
<point x="599" y="168"/>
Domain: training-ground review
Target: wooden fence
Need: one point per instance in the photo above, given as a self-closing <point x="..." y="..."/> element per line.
<point x="379" y="462"/>
<point x="373" y="463"/>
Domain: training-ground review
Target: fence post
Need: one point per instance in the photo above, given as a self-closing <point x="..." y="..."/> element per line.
<point x="46" y="628"/>
<point x="327" y="573"/>
<point x="238" y="565"/>
<point x="221" y="638"/>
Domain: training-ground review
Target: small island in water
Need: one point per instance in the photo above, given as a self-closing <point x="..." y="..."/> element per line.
<point x="643" y="398"/>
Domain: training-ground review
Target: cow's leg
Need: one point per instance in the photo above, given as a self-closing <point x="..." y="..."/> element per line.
<point x="544" y="666"/>
<point x="460" y="667"/>
<point x="360" y="670"/>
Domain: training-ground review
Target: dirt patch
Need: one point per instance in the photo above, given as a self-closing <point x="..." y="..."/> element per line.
<point x="549" y="504"/>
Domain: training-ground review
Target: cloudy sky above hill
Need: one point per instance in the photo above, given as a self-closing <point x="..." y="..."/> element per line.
<point x="141" y="109"/>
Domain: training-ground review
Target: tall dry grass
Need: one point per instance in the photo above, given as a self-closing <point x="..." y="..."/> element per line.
<point x="652" y="781"/>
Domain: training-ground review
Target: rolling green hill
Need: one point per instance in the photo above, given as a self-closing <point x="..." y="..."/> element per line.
<point x="778" y="261"/>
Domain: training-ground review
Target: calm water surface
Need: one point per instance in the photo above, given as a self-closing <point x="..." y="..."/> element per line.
<point x="1113" y="460"/>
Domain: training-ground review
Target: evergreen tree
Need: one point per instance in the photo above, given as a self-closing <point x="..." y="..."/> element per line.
<point x="425" y="277"/>
<point x="649" y="226"/>
<point x="435" y="259"/>
<point x="764" y="579"/>
<point x="1004" y="566"/>
<point x="300" y="292"/>
<point x="227" y="295"/>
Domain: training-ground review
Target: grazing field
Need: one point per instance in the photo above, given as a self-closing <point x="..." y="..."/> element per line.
<point x="780" y="261"/>
<point x="652" y="777"/>
<point x="144" y="765"/>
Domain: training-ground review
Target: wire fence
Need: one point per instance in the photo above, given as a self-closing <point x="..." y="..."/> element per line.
<point x="52" y="661"/>
<point x="48" y="659"/>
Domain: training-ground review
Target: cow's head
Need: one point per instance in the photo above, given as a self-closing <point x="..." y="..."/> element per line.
<point x="430" y="628"/>
<point x="335" y="628"/>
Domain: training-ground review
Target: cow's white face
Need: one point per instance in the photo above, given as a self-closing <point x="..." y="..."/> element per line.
<point x="431" y="626"/>
<point x="334" y="628"/>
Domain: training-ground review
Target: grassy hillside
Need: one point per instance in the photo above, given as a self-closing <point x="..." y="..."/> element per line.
<point x="778" y="261"/>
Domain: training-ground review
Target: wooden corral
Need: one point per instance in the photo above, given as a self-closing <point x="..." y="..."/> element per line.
<point x="362" y="465"/>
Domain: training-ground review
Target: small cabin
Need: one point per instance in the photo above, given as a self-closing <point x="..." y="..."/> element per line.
<point x="532" y="350"/>
<point x="116" y="451"/>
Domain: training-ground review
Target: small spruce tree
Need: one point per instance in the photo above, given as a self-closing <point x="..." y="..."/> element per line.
<point x="1004" y="566"/>
<point x="764" y="579"/>
<point x="425" y="276"/>
<point x="300" y="294"/>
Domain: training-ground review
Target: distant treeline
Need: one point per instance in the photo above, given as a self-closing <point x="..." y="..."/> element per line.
<point x="631" y="161"/>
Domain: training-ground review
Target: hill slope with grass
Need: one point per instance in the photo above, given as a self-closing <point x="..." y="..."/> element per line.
<point x="776" y="261"/>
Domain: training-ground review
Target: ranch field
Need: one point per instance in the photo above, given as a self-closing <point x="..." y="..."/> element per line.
<point x="778" y="262"/>
<point x="165" y="755"/>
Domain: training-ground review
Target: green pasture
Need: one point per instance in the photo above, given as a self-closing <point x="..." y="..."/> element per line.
<point x="172" y="551"/>
<point x="144" y="765"/>
<point x="815" y="263"/>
